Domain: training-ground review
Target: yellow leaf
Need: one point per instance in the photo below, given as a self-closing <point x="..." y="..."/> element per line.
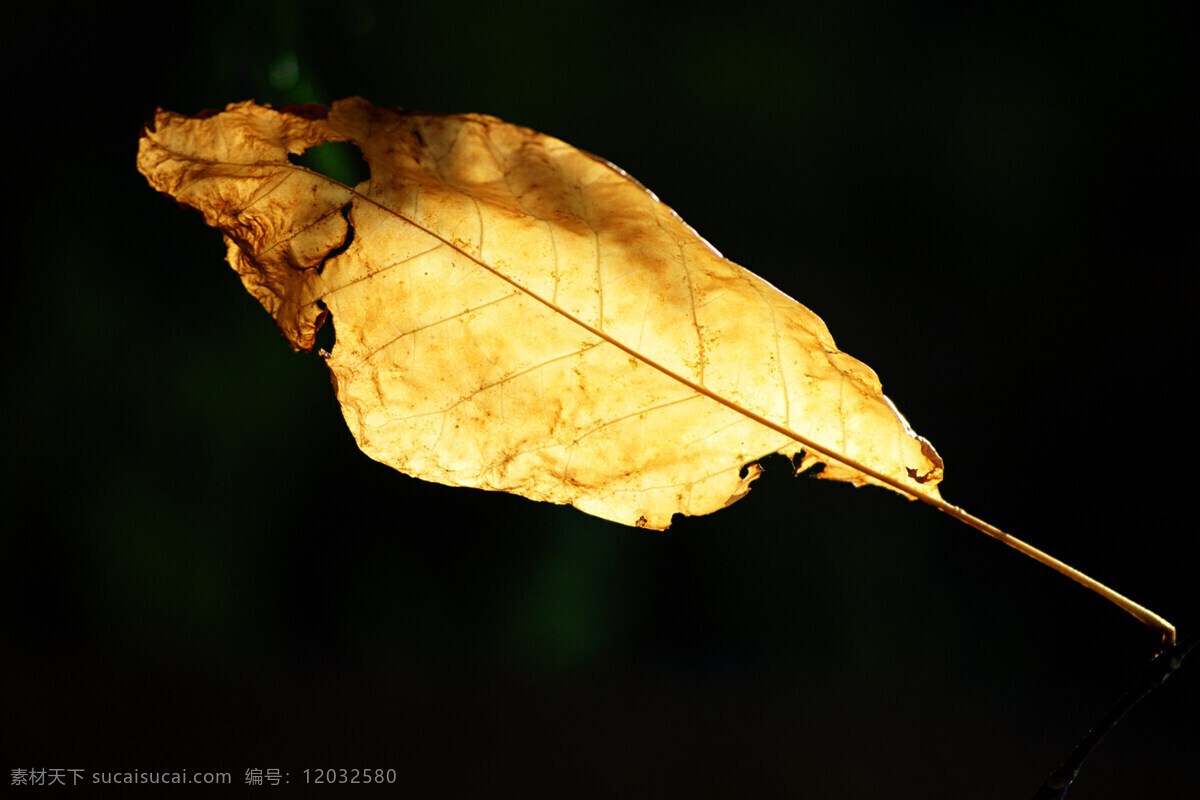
<point x="515" y="314"/>
<point x="520" y="316"/>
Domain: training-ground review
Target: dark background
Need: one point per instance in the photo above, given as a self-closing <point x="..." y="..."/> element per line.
<point x="995" y="209"/>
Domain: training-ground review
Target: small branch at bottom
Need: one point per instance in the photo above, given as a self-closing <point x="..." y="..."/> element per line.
<point x="1163" y="666"/>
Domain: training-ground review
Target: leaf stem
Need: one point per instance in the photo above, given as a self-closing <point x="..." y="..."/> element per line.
<point x="1138" y="611"/>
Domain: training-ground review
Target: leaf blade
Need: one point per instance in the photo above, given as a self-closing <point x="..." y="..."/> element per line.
<point x="497" y="274"/>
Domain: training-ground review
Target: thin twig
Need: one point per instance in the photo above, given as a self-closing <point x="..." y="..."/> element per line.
<point x="1164" y="664"/>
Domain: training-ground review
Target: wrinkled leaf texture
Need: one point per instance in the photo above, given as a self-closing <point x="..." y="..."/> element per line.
<point x="515" y="314"/>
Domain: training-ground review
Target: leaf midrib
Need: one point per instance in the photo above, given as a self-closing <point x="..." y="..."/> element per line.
<point x="700" y="389"/>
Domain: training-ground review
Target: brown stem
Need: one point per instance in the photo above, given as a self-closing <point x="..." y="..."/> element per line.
<point x="1165" y="662"/>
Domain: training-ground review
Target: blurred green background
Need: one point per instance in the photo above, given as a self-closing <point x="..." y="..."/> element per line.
<point x="994" y="209"/>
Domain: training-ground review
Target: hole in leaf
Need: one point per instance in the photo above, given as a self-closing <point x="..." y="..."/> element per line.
<point x="325" y="337"/>
<point x="341" y="161"/>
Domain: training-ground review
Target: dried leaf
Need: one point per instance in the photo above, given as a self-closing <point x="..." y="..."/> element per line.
<point x="517" y="315"/>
